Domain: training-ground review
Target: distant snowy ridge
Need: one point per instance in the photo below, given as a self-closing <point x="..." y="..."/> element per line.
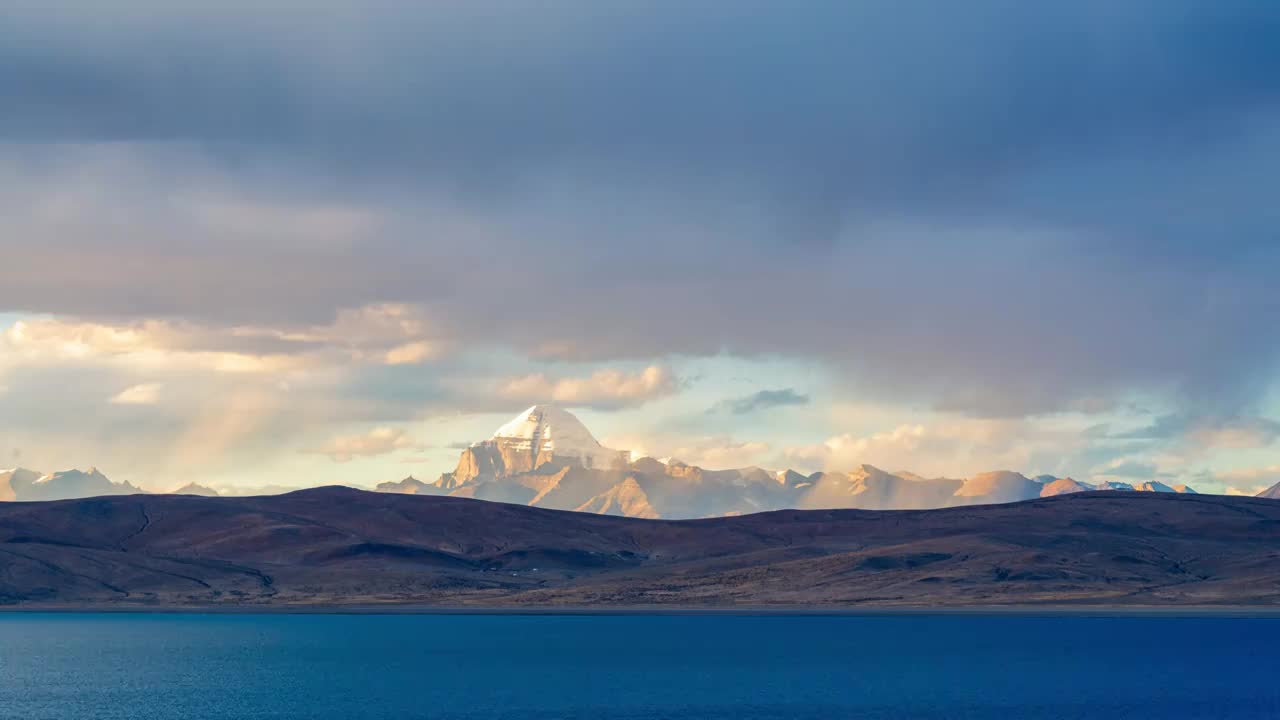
<point x="546" y="457"/>
<point x="22" y="484"/>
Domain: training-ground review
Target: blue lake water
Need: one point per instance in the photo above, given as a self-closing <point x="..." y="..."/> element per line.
<point x="485" y="667"/>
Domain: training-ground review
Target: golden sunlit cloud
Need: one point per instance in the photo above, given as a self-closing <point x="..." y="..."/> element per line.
<point x="610" y="388"/>
<point x="721" y="454"/>
<point x="389" y="334"/>
<point x="149" y="344"/>
<point x="411" y="353"/>
<point x="1246" y="492"/>
<point x="378" y="441"/>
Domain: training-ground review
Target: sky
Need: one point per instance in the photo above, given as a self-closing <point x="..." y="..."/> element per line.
<point x="334" y="241"/>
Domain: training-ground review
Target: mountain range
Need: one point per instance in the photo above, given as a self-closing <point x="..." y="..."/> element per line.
<point x="355" y="549"/>
<point x="23" y="485"/>
<point x="546" y="457"/>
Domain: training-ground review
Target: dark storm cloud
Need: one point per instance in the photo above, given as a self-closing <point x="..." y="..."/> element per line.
<point x="856" y="102"/>
<point x="1002" y="207"/>
<point x="763" y="400"/>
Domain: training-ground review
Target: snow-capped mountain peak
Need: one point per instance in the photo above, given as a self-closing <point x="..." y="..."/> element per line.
<point x="557" y="433"/>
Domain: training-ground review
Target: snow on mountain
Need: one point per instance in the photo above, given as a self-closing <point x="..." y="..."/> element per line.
<point x="1154" y="486"/>
<point x="70" y="484"/>
<point x="557" y="433"/>
<point x="1272" y="492"/>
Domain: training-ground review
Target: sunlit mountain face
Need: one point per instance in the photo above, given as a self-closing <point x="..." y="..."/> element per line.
<point x="850" y="254"/>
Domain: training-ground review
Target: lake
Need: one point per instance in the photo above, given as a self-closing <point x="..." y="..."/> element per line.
<point x="486" y="667"/>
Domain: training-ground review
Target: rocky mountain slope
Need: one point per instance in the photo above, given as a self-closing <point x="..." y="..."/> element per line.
<point x="545" y="457"/>
<point x="343" y="547"/>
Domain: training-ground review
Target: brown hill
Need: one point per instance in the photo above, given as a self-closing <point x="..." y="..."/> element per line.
<point x="337" y="546"/>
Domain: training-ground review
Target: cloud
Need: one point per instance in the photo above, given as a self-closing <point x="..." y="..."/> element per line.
<point x="1246" y="492"/>
<point x="1122" y="208"/>
<point x="378" y="441"/>
<point x="374" y="334"/>
<point x="147" y="344"/>
<point x="1124" y="467"/>
<point x="410" y="354"/>
<point x="1265" y="475"/>
<point x="1258" y="433"/>
<point x="950" y="446"/>
<point x="608" y="388"/>
<point x="851" y="450"/>
<point x="234" y="490"/>
<point x="146" y="394"/>
<point x="1248" y="481"/>
<point x="763" y="400"/>
<point x="415" y="460"/>
<point x="371" y="204"/>
<point x="718" y="453"/>
<point x="1238" y="432"/>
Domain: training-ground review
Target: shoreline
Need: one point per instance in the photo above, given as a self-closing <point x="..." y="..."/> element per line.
<point x="1097" y="611"/>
